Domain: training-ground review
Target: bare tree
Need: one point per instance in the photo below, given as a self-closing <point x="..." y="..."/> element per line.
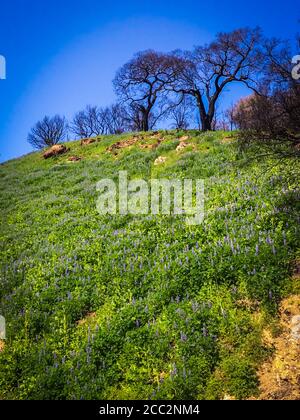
<point x="116" y="119"/>
<point x="229" y="117"/>
<point x="221" y="122"/>
<point x="181" y="114"/>
<point x="48" y="132"/>
<point x="141" y="83"/>
<point x="274" y="114"/>
<point x="206" y="71"/>
<point x="90" y="122"/>
<point x="134" y="117"/>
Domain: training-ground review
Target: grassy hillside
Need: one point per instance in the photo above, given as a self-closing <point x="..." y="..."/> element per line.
<point x="142" y="306"/>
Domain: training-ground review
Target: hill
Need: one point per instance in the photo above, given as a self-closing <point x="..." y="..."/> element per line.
<point x="143" y="307"/>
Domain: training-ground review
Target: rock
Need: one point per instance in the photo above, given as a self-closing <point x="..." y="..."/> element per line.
<point x="295" y="320"/>
<point x="160" y="160"/>
<point x="295" y="329"/>
<point x="55" y="150"/>
<point x="182" y="145"/>
<point x="183" y="138"/>
<point x="86" y="142"/>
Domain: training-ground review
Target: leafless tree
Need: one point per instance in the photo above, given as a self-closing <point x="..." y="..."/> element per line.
<point x="141" y="83"/>
<point x="115" y="119"/>
<point x="48" y="132"/>
<point x="229" y="117"/>
<point x="206" y="71"/>
<point x="181" y="114"/>
<point x="89" y="122"/>
<point x="274" y="114"/>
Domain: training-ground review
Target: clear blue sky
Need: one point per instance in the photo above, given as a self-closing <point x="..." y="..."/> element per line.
<point x="62" y="55"/>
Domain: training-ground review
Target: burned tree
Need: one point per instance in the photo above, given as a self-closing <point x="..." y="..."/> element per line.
<point x="207" y="71"/>
<point x="273" y="115"/>
<point x="115" y="118"/>
<point x="48" y="132"/>
<point x="142" y="84"/>
<point x="181" y="114"/>
<point x="90" y="122"/>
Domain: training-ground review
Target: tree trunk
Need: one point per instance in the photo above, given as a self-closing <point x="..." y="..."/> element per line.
<point x="145" y="122"/>
<point x="207" y="125"/>
<point x="206" y="121"/>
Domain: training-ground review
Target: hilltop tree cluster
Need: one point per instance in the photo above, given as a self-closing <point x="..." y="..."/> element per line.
<point x="184" y="88"/>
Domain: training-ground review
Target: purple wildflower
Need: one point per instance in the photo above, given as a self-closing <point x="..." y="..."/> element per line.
<point x="183" y="337"/>
<point x="174" y="370"/>
<point x="257" y="250"/>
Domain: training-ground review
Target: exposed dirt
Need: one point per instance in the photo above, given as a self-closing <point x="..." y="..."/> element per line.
<point x="74" y="159"/>
<point x="151" y="146"/>
<point x="122" y="144"/>
<point x="280" y="376"/>
<point x="88" y="317"/>
<point x="55" y="150"/>
<point x="86" y="142"/>
<point x="1" y="345"/>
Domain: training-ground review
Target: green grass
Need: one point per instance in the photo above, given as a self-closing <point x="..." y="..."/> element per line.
<point x="174" y="306"/>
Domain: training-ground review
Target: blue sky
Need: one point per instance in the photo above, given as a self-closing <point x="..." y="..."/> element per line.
<point x="62" y="55"/>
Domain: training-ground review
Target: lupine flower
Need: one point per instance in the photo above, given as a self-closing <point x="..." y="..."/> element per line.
<point x="183" y="337"/>
<point x="174" y="370"/>
<point x="269" y="240"/>
<point x="257" y="250"/>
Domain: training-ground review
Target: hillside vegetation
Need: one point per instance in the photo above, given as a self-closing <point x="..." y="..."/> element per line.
<point x="143" y="307"/>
